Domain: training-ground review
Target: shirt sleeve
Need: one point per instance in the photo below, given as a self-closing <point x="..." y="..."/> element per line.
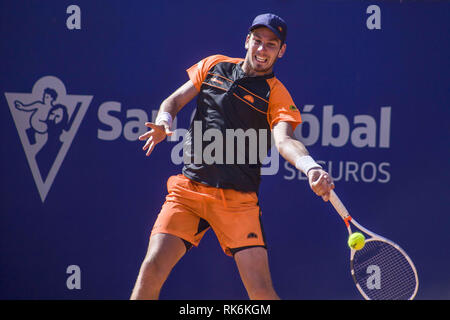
<point x="197" y="73"/>
<point x="282" y="107"/>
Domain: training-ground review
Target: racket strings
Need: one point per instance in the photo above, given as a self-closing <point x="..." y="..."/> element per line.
<point x="383" y="272"/>
<point x="394" y="282"/>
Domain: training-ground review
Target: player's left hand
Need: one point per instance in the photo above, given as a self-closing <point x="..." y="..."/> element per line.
<point x="157" y="134"/>
<point x="321" y="183"/>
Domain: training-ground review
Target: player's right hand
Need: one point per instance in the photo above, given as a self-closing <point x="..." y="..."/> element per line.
<point x="321" y="183"/>
<point x="157" y="134"/>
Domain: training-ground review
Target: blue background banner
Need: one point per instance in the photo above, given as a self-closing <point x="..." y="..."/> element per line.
<point x="373" y="90"/>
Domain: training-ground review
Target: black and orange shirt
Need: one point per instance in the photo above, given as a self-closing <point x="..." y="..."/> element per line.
<point x="230" y="134"/>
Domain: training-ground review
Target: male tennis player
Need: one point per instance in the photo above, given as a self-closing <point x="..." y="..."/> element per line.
<point x="235" y="97"/>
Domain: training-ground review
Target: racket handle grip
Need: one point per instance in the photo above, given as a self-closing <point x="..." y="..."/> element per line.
<point x="339" y="206"/>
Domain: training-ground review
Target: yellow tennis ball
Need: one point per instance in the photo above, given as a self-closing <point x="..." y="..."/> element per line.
<point x="356" y="241"/>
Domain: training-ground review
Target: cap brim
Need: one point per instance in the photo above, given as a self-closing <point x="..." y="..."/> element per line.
<point x="274" y="30"/>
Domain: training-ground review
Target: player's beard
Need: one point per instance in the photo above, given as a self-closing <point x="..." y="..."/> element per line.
<point x="261" y="70"/>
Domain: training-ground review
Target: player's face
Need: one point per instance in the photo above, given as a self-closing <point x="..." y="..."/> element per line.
<point x="263" y="50"/>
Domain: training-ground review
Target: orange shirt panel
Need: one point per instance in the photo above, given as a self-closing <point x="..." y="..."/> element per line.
<point x="281" y="105"/>
<point x="197" y="73"/>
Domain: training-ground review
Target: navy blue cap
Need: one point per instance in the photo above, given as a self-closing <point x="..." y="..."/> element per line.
<point x="273" y="22"/>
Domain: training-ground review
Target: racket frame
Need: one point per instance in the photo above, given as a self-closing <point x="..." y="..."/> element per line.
<point x="347" y="218"/>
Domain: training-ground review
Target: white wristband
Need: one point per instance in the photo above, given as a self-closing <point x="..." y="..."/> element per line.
<point x="164" y="116"/>
<point x="306" y="163"/>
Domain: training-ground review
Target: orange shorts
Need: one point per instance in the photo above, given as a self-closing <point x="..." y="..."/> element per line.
<point x="191" y="208"/>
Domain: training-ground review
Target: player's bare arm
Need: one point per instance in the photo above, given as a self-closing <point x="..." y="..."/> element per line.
<point x="291" y="149"/>
<point x="168" y="110"/>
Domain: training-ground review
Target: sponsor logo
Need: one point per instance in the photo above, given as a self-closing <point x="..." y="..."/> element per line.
<point x="252" y="235"/>
<point x="249" y="98"/>
<point x="47" y="120"/>
<point x="325" y="128"/>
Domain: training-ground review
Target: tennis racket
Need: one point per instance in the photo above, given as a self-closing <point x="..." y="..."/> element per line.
<point x="381" y="269"/>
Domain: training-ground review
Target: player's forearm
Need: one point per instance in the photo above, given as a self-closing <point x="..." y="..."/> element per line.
<point x="177" y="100"/>
<point x="295" y="152"/>
<point x="291" y="149"/>
<point x="171" y="106"/>
<point x="168" y="110"/>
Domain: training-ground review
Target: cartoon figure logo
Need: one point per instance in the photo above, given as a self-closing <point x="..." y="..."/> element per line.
<point x="47" y="120"/>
